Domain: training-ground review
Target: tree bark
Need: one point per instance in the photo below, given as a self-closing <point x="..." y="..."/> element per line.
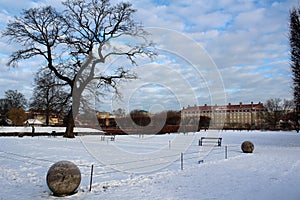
<point x="47" y="117"/>
<point x="70" y="125"/>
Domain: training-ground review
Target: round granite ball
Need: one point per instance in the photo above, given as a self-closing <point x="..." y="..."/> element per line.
<point x="63" y="178"/>
<point x="247" y="147"/>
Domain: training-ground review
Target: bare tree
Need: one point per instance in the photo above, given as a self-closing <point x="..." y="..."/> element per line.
<point x="278" y="110"/>
<point x="4" y="106"/>
<point x="15" y="99"/>
<point x="274" y="111"/>
<point x="49" y="96"/>
<point x="76" y="40"/>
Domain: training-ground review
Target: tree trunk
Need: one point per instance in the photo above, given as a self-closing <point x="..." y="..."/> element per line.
<point x="47" y="117"/>
<point x="297" y="119"/>
<point x="70" y="125"/>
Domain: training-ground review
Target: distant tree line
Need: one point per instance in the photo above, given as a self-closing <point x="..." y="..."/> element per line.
<point x="49" y="99"/>
<point x="143" y="122"/>
<point x="280" y="114"/>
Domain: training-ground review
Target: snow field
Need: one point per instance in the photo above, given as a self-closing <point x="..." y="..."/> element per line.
<point x="148" y="167"/>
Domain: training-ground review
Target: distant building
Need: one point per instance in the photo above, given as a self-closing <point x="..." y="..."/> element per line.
<point x="54" y="119"/>
<point x="238" y="116"/>
<point x="33" y="122"/>
<point x="106" y="119"/>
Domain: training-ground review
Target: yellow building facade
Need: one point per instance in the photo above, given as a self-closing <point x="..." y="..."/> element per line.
<point x="229" y="116"/>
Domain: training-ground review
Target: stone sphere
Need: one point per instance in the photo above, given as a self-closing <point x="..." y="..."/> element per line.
<point x="247" y="147"/>
<point x="63" y="178"/>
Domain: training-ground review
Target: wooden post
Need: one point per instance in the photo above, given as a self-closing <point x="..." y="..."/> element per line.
<point x="91" y="178"/>
<point x="181" y="159"/>
<point x="226" y="152"/>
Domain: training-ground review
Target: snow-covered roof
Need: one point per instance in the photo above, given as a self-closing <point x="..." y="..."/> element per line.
<point x="33" y="122"/>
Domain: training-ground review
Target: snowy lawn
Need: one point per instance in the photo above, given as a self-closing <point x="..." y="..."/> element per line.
<point x="43" y="129"/>
<point x="149" y="167"/>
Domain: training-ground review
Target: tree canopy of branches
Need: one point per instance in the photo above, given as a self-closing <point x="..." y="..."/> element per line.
<point x="15" y="99"/>
<point x="294" y="37"/>
<point x="140" y="117"/>
<point x="278" y="110"/>
<point x="143" y="122"/>
<point x="48" y="95"/>
<point x="4" y="106"/>
<point x="73" y="42"/>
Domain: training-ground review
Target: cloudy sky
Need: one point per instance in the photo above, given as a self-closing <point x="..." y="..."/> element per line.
<point x="210" y="52"/>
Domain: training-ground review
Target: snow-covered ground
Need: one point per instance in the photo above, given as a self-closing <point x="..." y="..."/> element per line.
<point x="149" y="167"/>
<point x="43" y="129"/>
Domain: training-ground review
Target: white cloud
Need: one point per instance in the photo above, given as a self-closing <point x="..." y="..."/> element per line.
<point x="247" y="39"/>
<point x="259" y="82"/>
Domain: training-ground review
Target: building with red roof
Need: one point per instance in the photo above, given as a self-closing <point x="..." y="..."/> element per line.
<point x="231" y="116"/>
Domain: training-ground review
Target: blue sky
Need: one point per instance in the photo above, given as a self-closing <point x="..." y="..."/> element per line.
<point x="247" y="41"/>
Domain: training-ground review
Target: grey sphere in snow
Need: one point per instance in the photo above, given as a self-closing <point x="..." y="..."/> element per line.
<point x="63" y="178"/>
<point x="247" y="147"/>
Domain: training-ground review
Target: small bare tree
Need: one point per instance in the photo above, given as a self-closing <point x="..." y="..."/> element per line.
<point x="278" y="110"/>
<point x="15" y="99"/>
<point x="49" y="95"/>
<point x="75" y="41"/>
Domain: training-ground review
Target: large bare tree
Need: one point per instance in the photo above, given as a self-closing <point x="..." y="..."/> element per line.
<point x="73" y="42"/>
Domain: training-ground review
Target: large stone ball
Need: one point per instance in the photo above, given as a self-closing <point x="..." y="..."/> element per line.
<point x="247" y="147"/>
<point x="63" y="178"/>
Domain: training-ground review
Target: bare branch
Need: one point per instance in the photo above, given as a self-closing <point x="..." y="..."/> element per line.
<point x="67" y="41"/>
<point x="25" y="54"/>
